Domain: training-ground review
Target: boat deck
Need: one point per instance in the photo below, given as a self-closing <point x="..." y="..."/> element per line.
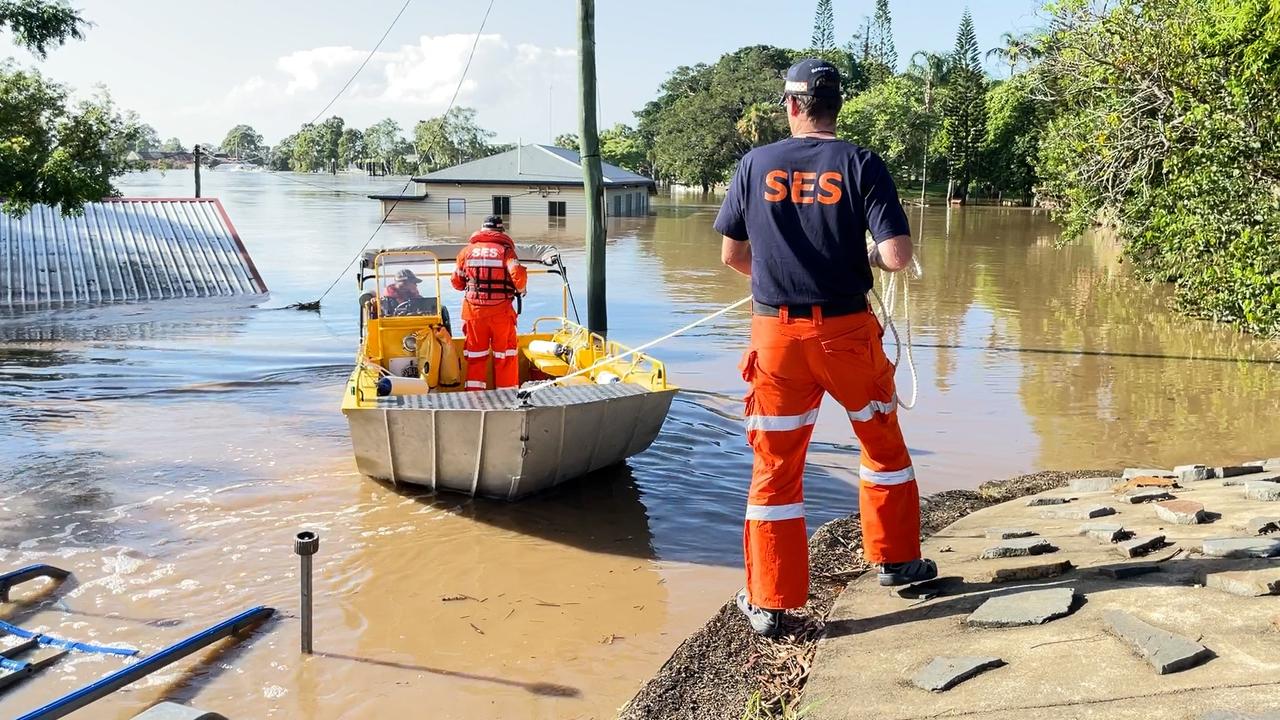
<point x="507" y="400"/>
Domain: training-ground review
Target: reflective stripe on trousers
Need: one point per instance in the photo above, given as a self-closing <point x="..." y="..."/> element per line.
<point x="789" y="367"/>
<point x="492" y="333"/>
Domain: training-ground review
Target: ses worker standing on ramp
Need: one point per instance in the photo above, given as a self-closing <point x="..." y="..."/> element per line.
<point x="795" y="221"/>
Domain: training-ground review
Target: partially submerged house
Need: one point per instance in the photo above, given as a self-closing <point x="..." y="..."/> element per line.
<point x="531" y="180"/>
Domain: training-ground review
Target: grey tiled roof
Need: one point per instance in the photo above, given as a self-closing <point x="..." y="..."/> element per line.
<point x="541" y="164"/>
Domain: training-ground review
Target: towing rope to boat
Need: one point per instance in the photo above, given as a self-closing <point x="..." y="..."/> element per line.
<point x="886" y="319"/>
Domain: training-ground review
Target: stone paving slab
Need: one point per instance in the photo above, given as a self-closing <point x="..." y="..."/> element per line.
<point x="1167" y="652"/>
<point x="1247" y="583"/>
<point x="1033" y="607"/>
<point x="1018" y="547"/>
<point x="876" y="640"/>
<point x="944" y="673"/>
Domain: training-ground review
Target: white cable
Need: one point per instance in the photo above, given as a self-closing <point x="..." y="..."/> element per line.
<point x="614" y="358"/>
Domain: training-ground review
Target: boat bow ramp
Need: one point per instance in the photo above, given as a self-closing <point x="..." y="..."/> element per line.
<point x="125" y="249"/>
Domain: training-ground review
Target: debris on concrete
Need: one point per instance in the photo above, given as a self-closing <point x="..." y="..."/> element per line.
<point x="1080" y="512"/>
<point x="1034" y="607"/>
<point x="1018" y="547"/>
<point x="1247" y="583"/>
<point x="1240" y="547"/>
<point x="1092" y="484"/>
<point x="1126" y="486"/>
<point x="1121" y="572"/>
<point x="1140" y="546"/>
<point x="1038" y="501"/>
<point x="1104" y="531"/>
<point x="1037" y="571"/>
<point x="944" y="673"/>
<point x="1264" y="525"/>
<point x="1146" y="495"/>
<point x="1167" y="653"/>
<point x="1009" y="533"/>
<point x="1181" y="512"/>
<point x="1193" y="473"/>
<point x="1263" y="491"/>
<point x="1131" y="473"/>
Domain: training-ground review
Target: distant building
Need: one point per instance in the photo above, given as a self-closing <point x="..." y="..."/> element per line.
<point x="157" y="158"/>
<point x="528" y="180"/>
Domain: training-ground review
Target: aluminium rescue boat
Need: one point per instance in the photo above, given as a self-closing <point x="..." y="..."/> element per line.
<point x="585" y="403"/>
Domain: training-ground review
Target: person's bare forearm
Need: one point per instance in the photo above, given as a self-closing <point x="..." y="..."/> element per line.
<point x="737" y="255"/>
<point x="893" y="254"/>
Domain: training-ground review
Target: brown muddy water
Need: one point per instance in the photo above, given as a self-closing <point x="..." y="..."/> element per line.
<point x="167" y="454"/>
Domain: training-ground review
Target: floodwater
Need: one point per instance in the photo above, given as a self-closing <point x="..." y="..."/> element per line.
<point x="168" y="453"/>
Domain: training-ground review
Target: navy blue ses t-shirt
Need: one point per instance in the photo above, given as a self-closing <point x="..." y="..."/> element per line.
<point x="806" y="206"/>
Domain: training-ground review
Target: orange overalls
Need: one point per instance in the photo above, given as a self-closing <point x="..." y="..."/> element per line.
<point x="791" y="363"/>
<point x="490" y="273"/>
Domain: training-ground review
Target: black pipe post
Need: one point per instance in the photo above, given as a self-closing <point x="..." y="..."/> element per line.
<point x="592" y="181"/>
<point x="197" y="154"/>
<point x="305" y="544"/>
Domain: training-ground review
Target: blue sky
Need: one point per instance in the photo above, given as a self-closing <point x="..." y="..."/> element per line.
<point x="194" y="69"/>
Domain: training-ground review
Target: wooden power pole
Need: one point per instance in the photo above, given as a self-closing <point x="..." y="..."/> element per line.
<point x="196" y="153"/>
<point x="593" y="182"/>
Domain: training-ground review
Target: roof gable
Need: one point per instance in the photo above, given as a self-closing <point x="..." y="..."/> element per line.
<point x="533" y="164"/>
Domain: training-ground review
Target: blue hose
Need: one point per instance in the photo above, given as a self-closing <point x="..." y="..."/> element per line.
<point x="65" y="644"/>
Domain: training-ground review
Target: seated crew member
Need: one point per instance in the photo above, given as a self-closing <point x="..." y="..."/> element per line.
<point x="402" y="297"/>
<point x="490" y="273"/>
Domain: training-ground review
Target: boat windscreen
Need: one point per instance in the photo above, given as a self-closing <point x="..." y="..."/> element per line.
<point x="447" y="252"/>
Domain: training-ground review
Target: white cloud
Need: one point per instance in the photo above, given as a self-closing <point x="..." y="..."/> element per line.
<point x="507" y="83"/>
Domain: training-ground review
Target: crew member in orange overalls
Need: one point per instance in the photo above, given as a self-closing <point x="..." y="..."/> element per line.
<point x="795" y="219"/>
<point x="491" y="275"/>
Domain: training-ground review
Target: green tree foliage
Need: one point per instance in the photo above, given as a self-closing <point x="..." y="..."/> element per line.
<point x="384" y="144"/>
<point x="691" y="129"/>
<point x="1016" y="118"/>
<point x="307" y="150"/>
<point x="328" y="143"/>
<point x="568" y="141"/>
<point x="281" y="155"/>
<point x="882" y="56"/>
<point x="54" y="152"/>
<point x="51" y="150"/>
<point x="1169" y="126"/>
<point x="244" y="142"/>
<point x="1014" y="50"/>
<point x="145" y="137"/>
<point x="965" y="110"/>
<point x="350" y="147"/>
<point x="173" y="144"/>
<point x="450" y="139"/>
<point x="762" y="123"/>
<point x="621" y="145"/>
<point x="824" y="27"/>
<point x="891" y="119"/>
<point x="39" y="25"/>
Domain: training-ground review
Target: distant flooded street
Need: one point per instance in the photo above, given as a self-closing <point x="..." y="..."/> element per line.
<point x="167" y="453"/>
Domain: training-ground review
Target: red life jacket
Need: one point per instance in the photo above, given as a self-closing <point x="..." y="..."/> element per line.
<point x="485" y="266"/>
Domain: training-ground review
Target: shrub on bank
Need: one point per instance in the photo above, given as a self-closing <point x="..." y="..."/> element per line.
<point x="1168" y="121"/>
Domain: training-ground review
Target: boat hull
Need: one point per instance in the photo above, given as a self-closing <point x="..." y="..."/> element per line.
<point x="486" y="444"/>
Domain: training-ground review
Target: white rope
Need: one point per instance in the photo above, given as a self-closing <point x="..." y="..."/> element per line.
<point x="614" y="358"/>
<point x="886" y="319"/>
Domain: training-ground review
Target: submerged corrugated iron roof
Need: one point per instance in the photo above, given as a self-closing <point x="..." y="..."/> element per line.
<point x="123" y="249"/>
<point x="534" y="164"/>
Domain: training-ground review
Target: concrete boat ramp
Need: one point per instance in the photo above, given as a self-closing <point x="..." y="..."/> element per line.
<point x="1152" y="596"/>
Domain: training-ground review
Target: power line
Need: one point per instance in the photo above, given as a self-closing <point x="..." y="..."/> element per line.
<point x="316" y="304"/>
<point x="369" y="57"/>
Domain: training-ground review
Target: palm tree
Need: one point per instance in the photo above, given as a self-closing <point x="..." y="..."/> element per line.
<point x="760" y="124"/>
<point x="1015" y="50"/>
<point x="933" y="69"/>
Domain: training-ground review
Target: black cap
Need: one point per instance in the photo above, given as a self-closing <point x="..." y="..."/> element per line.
<point x="493" y="222"/>
<point x="407" y="274"/>
<point x="812" y="76"/>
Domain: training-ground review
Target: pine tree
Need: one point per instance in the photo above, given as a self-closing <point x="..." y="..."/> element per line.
<point x="882" y="50"/>
<point x="824" y="27"/>
<point x="965" y="111"/>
